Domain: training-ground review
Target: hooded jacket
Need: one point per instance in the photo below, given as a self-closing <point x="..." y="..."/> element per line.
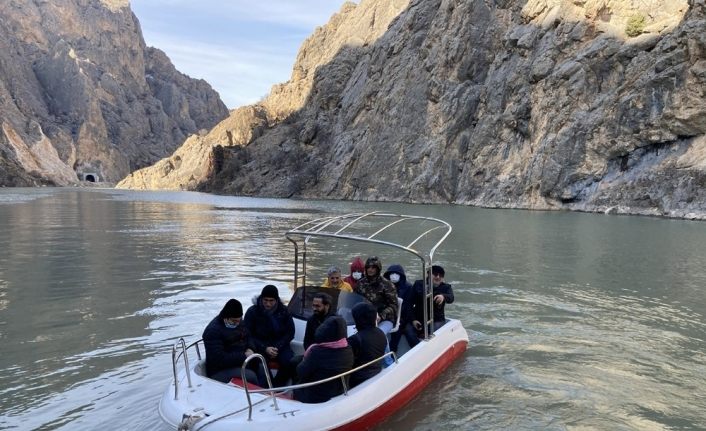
<point x="225" y="347"/>
<point x="403" y="287"/>
<point x="322" y="362"/>
<point x="380" y="292"/>
<point x="404" y="291"/>
<point x="356" y="266"/>
<point x="368" y="343"/>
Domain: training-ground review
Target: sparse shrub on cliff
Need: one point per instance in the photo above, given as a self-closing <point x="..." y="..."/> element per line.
<point x="635" y="25"/>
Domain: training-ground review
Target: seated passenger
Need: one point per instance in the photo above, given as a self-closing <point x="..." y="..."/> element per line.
<point x="395" y="273"/>
<point x="334" y="280"/>
<point x="380" y="292"/>
<point x="330" y="355"/>
<point x="321" y="307"/>
<point x="357" y="269"/>
<point x="272" y="329"/>
<point x="227" y="345"/>
<point x="442" y="294"/>
<point x="368" y="343"/>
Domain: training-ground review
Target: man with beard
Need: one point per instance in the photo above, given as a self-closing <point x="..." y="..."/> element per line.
<point x="321" y="305"/>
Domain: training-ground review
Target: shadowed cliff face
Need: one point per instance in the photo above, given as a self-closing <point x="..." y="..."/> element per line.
<point x="522" y="104"/>
<point x="80" y="93"/>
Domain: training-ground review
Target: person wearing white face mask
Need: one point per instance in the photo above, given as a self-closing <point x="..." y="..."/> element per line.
<point x="227" y="344"/>
<point x="395" y="273"/>
<point x="357" y="269"/>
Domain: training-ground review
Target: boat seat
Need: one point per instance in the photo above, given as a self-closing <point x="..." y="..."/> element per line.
<point x="399" y="315"/>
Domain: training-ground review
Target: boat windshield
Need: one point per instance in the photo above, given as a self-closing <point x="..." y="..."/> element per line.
<point x="343" y="302"/>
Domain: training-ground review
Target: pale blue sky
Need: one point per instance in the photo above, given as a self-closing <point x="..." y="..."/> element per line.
<point x="240" y="47"/>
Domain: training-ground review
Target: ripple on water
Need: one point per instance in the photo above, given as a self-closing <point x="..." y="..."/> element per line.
<point x="621" y="361"/>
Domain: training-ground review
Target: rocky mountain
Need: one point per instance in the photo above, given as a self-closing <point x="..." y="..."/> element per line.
<point x="592" y="105"/>
<point x="82" y="97"/>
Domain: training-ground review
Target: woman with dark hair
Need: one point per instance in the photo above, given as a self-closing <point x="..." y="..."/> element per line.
<point x="330" y="355"/>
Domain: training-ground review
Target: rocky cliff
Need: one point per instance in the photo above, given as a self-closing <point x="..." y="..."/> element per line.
<point x="594" y="105"/>
<point x="82" y="96"/>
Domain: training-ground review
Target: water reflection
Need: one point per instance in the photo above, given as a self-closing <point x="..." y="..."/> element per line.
<point x="577" y="320"/>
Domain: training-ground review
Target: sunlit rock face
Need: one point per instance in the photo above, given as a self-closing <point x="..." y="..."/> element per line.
<point x="584" y="105"/>
<point x="81" y="93"/>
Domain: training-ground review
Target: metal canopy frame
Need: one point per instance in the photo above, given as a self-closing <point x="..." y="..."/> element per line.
<point x="367" y="228"/>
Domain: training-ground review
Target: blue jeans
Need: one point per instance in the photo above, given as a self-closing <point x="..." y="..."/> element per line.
<point x="386" y="326"/>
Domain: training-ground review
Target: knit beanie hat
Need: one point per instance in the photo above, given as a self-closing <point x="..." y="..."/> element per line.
<point x="270" y="291"/>
<point x="233" y="308"/>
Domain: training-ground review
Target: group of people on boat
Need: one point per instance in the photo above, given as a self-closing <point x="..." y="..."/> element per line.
<point x="268" y="328"/>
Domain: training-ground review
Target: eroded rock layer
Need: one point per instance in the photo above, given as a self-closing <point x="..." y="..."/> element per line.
<point x="81" y="95"/>
<point x="593" y="105"/>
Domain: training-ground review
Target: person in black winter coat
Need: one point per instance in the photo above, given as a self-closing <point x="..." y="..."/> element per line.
<point x="395" y="273"/>
<point x="227" y="344"/>
<point x="442" y="294"/>
<point x="321" y="307"/>
<point x="330" y="355"/>
<point x="271" y="329"/>
<point x="367" y="344"/>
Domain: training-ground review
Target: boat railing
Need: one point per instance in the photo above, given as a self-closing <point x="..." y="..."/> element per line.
<point x="379" y="229"/>
<point x="274" y="391"/>
<point x="244" y="376"/>
<point x="179" y="350"/>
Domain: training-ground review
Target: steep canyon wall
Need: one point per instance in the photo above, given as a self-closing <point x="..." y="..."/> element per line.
<point x="543" y="104"/>
<point x="81" y="93"/>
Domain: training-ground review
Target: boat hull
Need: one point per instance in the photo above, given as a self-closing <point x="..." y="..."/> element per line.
<point x="362" y="408"/>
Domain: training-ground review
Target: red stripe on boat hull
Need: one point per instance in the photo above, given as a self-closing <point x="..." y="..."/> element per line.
<point x="410" y="391"/>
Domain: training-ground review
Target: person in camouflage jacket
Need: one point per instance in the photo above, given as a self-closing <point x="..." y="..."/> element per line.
<point x="380" y="292"/>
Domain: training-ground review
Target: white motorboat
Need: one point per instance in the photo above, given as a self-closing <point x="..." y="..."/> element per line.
<point x="196" y="402"/>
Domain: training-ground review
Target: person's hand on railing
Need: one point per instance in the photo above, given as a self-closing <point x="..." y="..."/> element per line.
<point x="249" y="352"/>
